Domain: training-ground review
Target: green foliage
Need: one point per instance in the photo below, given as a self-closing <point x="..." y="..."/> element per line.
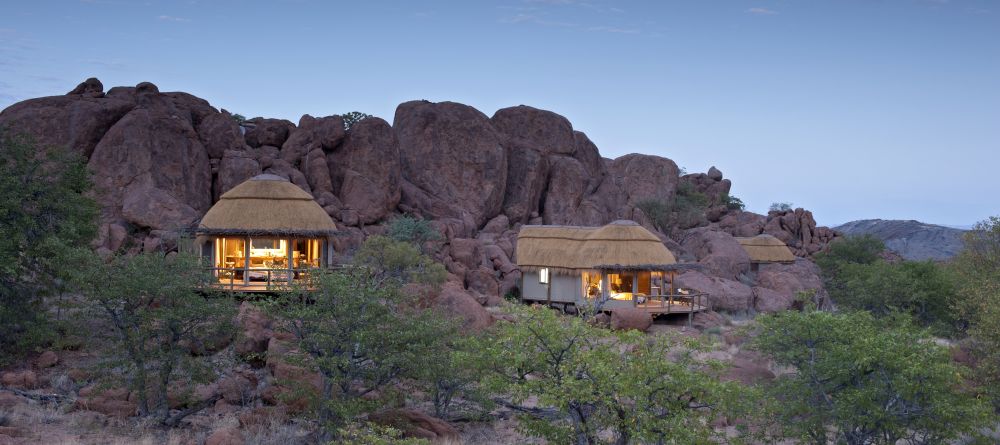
<point x="455" y="371"/>
<point x="780" y="207"/>
<point x="731" y="202"/>
<point x="863" y="249"/>
<point x="978" y="270"/>
<point x="400" y="261"/>
<point x="857" y="278"/>
<point x="152" y="311"/>
<point x="588" y="382"/>
<point x="361" y="332"/>
<point x="46" y="219"/>
<point x="238" y="118"/>
<point x="924" y="290"/>
<point x="416" y="231"/>
<point x="686" y="208"/>
<point x="374" y="434"/>
<point x="353" y="117"/>
<point x="860" y="380"/>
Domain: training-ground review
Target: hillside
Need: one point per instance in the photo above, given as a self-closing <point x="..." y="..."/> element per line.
<point x="913" y="240"/>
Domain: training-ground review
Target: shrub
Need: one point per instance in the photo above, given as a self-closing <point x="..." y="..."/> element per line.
<point x="47" y="221"/>
<point x="416" y="231"/>
<point x="731" y="202"/>
<point x="354" y="117"/>
<point x="780" y="207"/>
<point x="238" y="118"/>
<point x="686" y="209"/>
<point x="588" y="382"/>
<point x="362" y="333"/>
<point x="861" y="249"/>
<point x="864" y="381"/>
<point x="978" y="270"/>
<point x="153" y="310"/>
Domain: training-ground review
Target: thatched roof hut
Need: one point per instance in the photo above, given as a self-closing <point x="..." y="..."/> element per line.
<point x="564" y="249"/>
<point x="267" y="205"/>
<point x="765" y="248"/>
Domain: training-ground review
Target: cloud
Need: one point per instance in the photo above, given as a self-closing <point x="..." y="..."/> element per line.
<point x="170" y="18"/>
<point x="537" y="20"/>
<point x="614" y="30"/>
<point x="761" y="11"/>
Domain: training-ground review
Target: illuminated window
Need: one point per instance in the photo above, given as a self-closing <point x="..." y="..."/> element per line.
<point x="543" y="275"/>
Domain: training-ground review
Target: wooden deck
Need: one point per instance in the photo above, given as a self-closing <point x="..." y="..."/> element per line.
<point x="655" y="305"/>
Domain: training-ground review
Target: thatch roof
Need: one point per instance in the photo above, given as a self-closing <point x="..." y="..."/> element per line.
<point x="267" y="205"/>
<point x="619" y="245"/>
<point x="766" y="249"/>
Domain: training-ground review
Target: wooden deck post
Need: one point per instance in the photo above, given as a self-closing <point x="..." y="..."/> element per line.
<point x="635" y="287"/>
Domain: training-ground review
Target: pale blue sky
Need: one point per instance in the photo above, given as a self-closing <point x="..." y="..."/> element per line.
<point x="852" y="109"/>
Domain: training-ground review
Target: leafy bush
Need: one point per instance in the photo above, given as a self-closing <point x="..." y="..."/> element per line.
<point x="354" y="117"/>
<point x="362" y="333"/>
<point x="686" y="209"/>
<point x="857" y="278"/>
<point x="152" y="311"/>
<point x="978" y="270"/>
<point x="416" y="231"/>
<point x="239" y="118"/>
<point x="780" y="207"/>
<point x="47" y="220"/>
<point x="731" y="202"/>
<point x="588" y="382"/>
<point x="864" y="381"/>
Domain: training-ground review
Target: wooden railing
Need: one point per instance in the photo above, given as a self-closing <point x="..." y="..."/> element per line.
<point x="235" y="279"/>
<point x="695" y="300"/>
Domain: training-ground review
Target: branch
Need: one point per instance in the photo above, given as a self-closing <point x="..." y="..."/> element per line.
<point x="540" y="413"/>
<point x="175" y="419"/>
<point x="52" y="398"/>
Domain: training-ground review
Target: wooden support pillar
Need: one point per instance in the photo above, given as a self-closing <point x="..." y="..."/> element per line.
<point x="288" y="258"/>
<point x="635" y="288"/>
<point x="246" y="261"/>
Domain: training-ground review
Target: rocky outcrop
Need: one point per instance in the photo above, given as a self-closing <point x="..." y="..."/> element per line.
<point x="913" y="240"/>
<point x="161" y="159"/>
<point x="453" y="158"/>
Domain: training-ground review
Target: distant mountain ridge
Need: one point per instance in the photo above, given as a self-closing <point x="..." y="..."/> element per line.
<point x="911" y="239"/>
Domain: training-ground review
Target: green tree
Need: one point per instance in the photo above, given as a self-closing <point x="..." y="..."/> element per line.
<point x="684" y="210"/>
<point x="416" y="231"/>
<point x="354" y="117"/>
<point x="978" y="271"/>
<point x="361" y="331"/>
<point x="860" y="380"/>
<point x="238" y="118"/>
<point x="780" y="207"/>
<point x="861" y="249"/>
<point x="152" y="309"/>
<point x="731" y="202"/>
<point x="924" y="290"/>
<point x="46" y="219"/>
<point x="588" y="381"/>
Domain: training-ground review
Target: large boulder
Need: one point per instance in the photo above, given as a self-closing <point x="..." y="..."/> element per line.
<point x="769" y="300"/>
<point x="644" y="177"/>
<point x="797" y="229"/>
<point x="151" y="169"/>
<point x="416" y="424"/>
<point x="451" y="152"/>
<point x="235" y="167"/>
<point x="456" y="301"/>
<point x="588" y="155"/>
<point x="790" y="279"/>
<point x="543" y="130"/>
<point x="626" y="318"/>
<point x="718" y="251"/>
<point x="527" y="173"/>
<point x="365" y="170"/>
<point x="219" y="132"/>
<point x="723" y="294"/>
<point x="273" y="132"/>
<point x="567" y="185"/>
<point x="76" y="121"/>
<point x="743" y="224"/>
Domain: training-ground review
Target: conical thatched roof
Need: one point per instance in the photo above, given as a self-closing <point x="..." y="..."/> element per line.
<point x="621" y="245"/>
<point x="267" y="205"/>
<point x="766" y="249"/>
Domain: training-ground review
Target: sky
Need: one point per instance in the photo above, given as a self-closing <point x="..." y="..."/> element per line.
<point x="852" y="109"/>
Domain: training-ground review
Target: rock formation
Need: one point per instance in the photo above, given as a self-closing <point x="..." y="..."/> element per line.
<point x="913" y="240"/>
<point x="161" y="159"/>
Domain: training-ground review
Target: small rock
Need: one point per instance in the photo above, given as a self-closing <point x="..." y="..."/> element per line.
<point x="48" y="359"/>
<point x="26" y="379"/>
